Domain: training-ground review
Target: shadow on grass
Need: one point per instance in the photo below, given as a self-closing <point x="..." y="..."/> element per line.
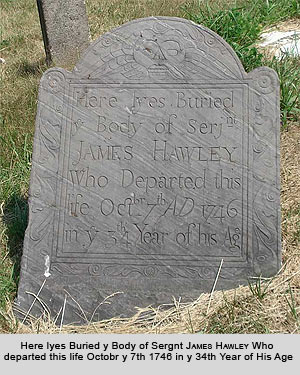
<point x="26" y="68"/>
<point x="15" y="218"/>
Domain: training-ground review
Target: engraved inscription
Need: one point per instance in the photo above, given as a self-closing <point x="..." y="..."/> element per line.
<point x="180" y="178"/>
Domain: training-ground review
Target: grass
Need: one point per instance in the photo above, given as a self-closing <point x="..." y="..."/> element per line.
<point x="288" y="70"/>
<point x="262" y="308"/>
<point x="241" y="27"/>
<point x="259" y="289"/>
<point x="106" y="14"/>
<point x="292" y="304"/>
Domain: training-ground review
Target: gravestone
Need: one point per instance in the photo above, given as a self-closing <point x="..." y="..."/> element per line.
<point x="65" y="29"/>
<point x="155" y="174"/>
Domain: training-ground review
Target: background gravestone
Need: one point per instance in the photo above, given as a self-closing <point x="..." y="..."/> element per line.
<point x="155" y="161"/>
<point x="65" y="29"/>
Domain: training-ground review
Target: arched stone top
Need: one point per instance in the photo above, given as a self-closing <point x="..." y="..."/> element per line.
<point x="160" y="48"/>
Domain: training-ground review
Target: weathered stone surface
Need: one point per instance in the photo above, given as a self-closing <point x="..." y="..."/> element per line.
<point x="155" y="161"/>
<point x="65" y="29"/>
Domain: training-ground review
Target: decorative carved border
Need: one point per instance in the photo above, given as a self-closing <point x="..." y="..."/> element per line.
<point x="43" y="184"/>
<point x="161" y="47"/>
<point x="148" y="271"/>
<point x="266" y="210"/>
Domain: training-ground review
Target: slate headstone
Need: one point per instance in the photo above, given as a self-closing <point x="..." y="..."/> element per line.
<point x="65" y="29"/>
<point x="155" y="165"/>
